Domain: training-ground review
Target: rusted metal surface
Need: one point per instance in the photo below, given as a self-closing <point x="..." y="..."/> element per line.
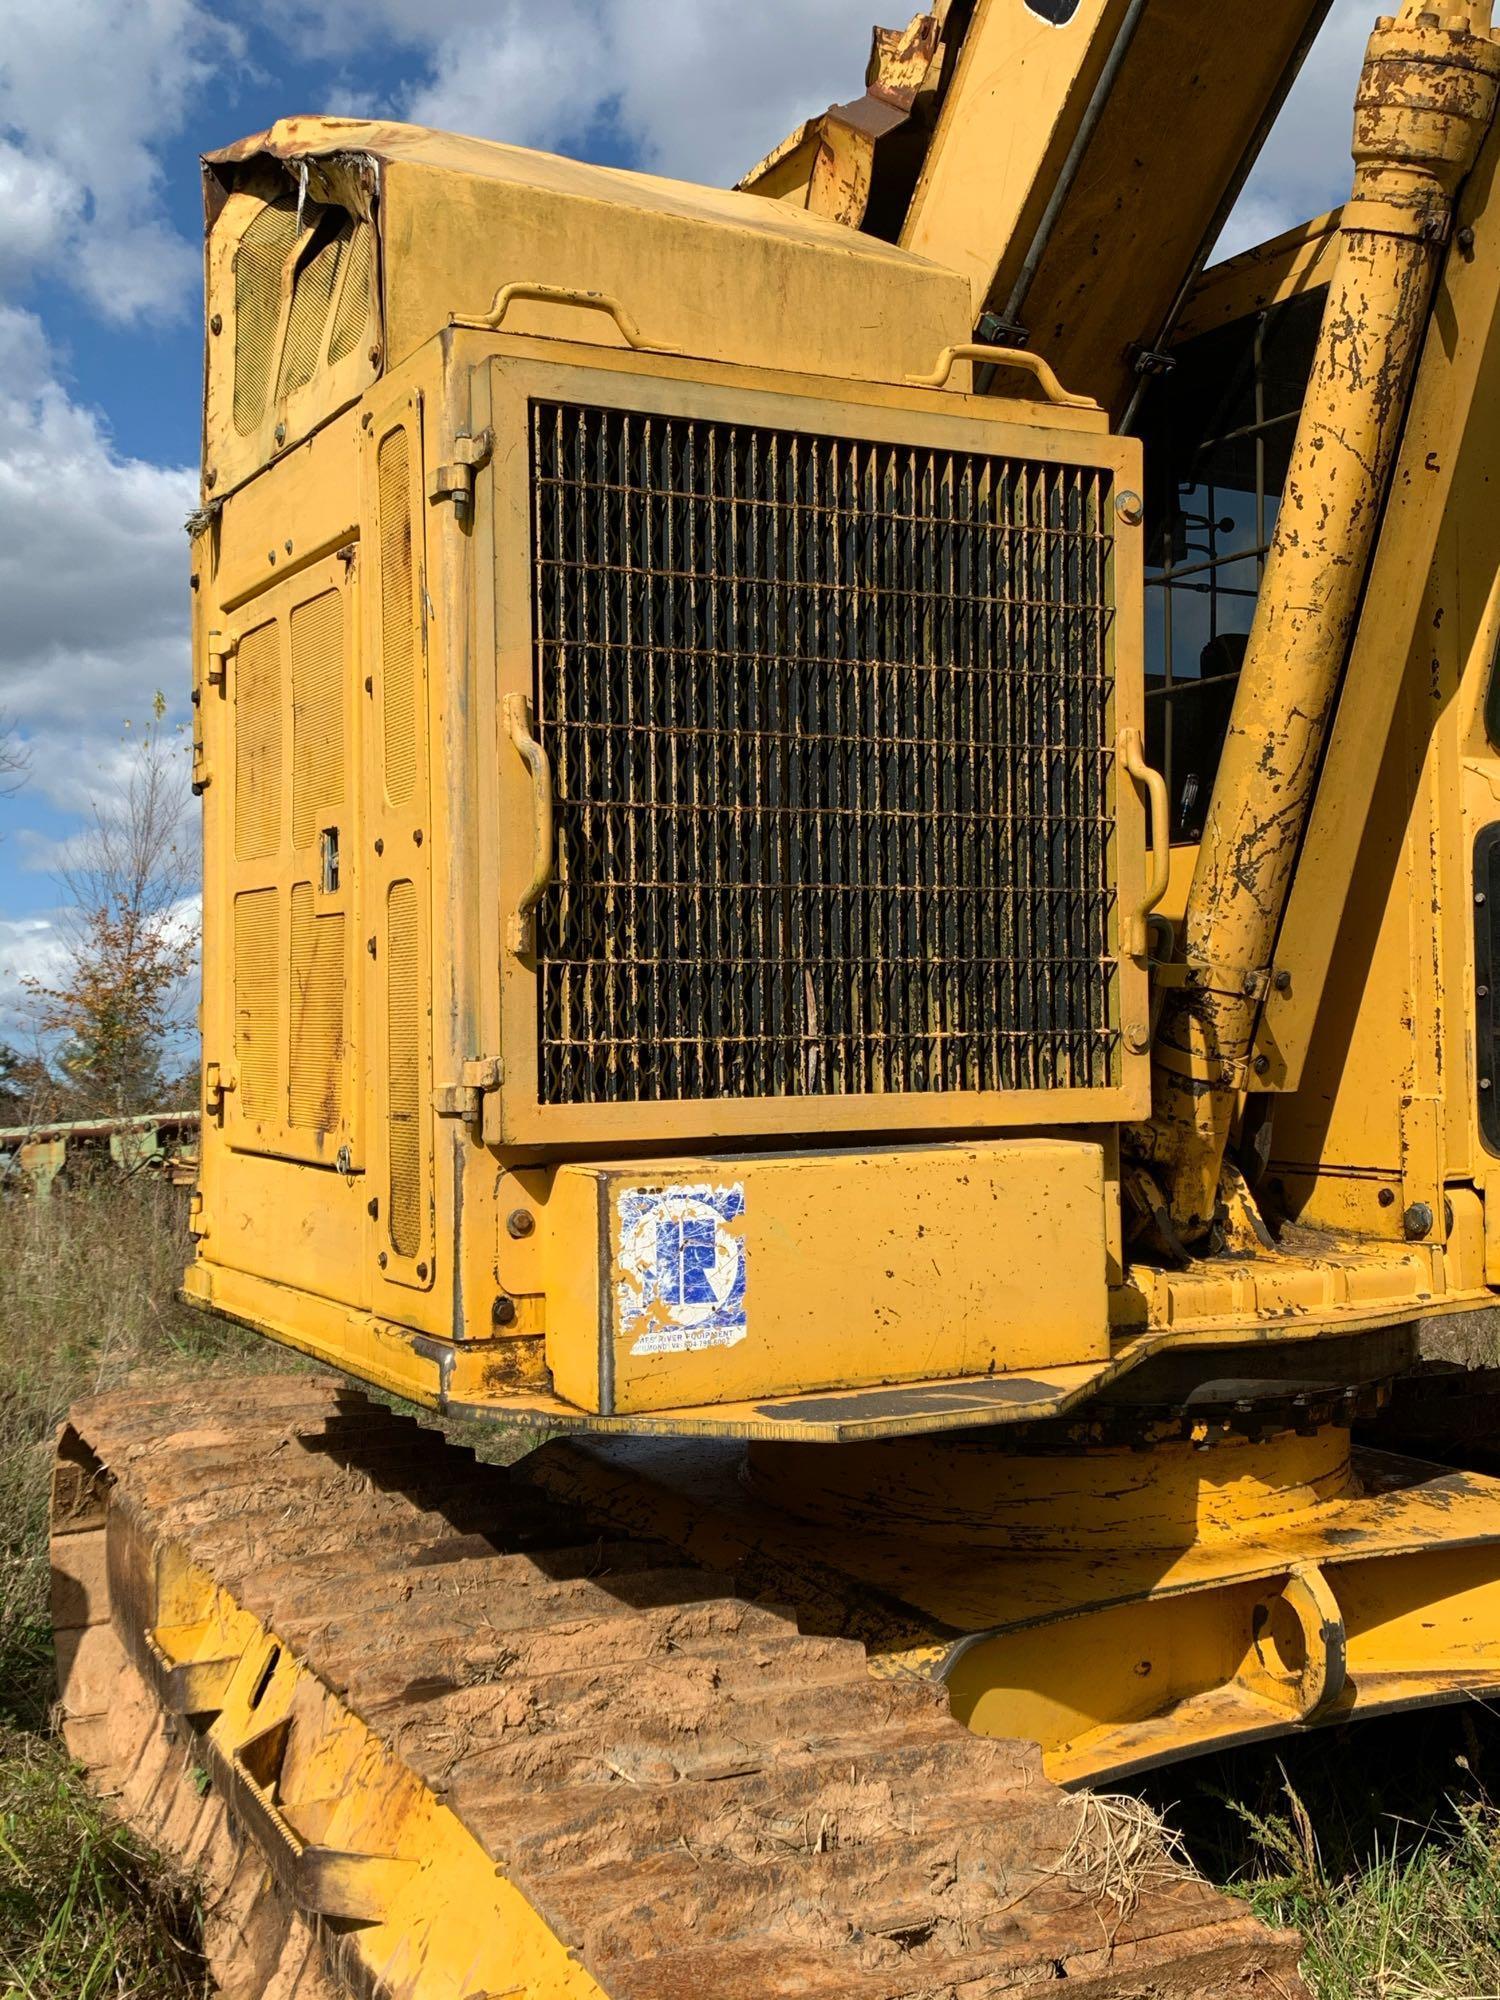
<point x="829" y="163"/>
<point x="692" y="1794"/>
<point x="1425" y="101"/>
<point x="35" y="1156"/>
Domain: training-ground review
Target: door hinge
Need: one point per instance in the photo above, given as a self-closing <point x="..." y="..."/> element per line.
<point x="220" y="652"/>
<point x="465" y="1100"/>
<point x="455" y="480"/>
<point x="216" y="1087"/>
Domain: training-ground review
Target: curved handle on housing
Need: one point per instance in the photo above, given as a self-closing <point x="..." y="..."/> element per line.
<point x="1133" y="757"/>
<point x="566" y="295"/>
<point x="1002" y="357"/>
<point x="520" y="932"/>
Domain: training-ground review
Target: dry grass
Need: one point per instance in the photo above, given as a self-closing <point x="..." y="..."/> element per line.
<point x="86" y="1296"/>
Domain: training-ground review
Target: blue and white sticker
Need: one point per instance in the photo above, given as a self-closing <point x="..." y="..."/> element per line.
<point x="680" y="1274"/>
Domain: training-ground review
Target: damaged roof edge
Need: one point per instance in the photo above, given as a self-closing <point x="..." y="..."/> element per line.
<point x="346" y="176"/>
<point x="378" y="145"/>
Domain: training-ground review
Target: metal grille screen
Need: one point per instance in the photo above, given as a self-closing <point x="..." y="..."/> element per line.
<point x="831" y="725"/>
<point x="403" y="1054"/>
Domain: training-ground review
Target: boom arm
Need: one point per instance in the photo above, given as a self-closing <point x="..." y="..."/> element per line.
<point x="1012" y="139"/>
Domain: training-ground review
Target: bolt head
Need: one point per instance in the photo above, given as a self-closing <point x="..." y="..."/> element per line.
<point x="1131" y="508"/>
<point x="1417" y="1221"/>
<point x="521" y="1222"/>
<point x="503" y="1311"/>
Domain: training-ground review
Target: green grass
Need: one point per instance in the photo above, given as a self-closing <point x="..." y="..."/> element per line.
<point x="1379" y="1842"/>
<point x="84" y="1911"/>
<point x="1382" y="1843"/>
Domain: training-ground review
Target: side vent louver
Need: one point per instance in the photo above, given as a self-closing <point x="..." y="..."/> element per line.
<point x="289" y="685"/>
<point x="257" y="744"/>
<point x="316" y="1040"/>
<point x="397" y="639"/>
<point x="258" y="266"/>
<point x="299" y="291"/>
<point x="317" y="716"/>
<point x="403" y="1054"/>
<point x="257" y="1014"/>
<point x="313" y="291"/>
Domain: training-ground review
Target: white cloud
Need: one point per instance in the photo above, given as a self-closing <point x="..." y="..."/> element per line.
<point x="698" y="89"/>
<point x="30" y="948"/>
<point x="701" y="88"/>
<point x="1307" y="166"/>
<point x="88" y="90"/>
<point x="39" y="204"/>
<point x="93" y="575"/>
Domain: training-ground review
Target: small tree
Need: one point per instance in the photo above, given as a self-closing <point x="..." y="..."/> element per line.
<point x="132" y="936"/>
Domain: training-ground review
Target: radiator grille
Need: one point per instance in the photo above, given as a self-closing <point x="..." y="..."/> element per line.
<point x="832" y="734"/>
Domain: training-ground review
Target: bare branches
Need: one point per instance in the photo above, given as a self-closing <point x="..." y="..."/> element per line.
<point x="15" y="758"/>
<point x="131" y="931"/>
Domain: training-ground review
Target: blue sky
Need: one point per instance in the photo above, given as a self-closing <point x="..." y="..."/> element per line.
<point x="105" y="106"/>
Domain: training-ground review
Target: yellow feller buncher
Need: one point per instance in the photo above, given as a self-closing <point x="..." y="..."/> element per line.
<point x="851" y="860"/>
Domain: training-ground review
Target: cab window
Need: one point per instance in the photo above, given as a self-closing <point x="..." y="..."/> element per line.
<point x="1218" y="434"/>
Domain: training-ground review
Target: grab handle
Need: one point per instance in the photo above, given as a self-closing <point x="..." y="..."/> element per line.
<point x="567" y="295"/>
<point x="1133" y="755"/>
<point x="1002" y="357"/>
<point x="520" y="933"/>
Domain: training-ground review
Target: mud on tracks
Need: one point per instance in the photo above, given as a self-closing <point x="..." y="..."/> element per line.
<point x="495" y="1746"/>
